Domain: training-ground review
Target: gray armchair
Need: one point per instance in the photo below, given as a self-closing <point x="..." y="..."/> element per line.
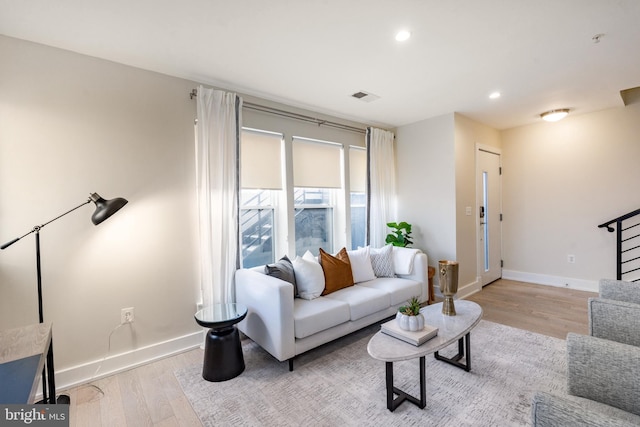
<point x="620" y="290"/>
<point x="603" y="369"/>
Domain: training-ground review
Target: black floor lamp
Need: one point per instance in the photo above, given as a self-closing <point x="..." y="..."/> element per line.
<point x="104" y="209"/>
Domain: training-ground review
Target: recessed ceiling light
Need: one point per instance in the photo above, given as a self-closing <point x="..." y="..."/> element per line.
<point x="555" y="115"/>
<point x="403" y="35"/>
<point x="494" y="95"/>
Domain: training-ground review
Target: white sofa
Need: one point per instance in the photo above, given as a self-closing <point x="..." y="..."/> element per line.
<point x="286" y="326"/>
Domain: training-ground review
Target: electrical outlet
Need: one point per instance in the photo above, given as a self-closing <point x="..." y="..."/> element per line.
<point x="126" y="315"/>
<point x="571" y="259"/>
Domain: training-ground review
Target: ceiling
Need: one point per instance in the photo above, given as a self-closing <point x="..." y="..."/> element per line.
<point x="313" y="54"/>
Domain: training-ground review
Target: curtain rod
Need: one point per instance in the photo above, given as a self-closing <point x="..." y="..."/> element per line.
<point x="291" y="115"/>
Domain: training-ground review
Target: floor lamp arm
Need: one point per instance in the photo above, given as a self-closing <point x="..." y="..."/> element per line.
<point x="37" y="228"/>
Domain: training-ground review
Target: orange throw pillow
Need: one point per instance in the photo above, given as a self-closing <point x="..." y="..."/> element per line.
<point x="337" y="271"/>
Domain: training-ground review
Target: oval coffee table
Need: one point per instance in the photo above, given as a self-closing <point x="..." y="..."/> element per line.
<point x="450" y="329"/>
<point x="223" y="357"/>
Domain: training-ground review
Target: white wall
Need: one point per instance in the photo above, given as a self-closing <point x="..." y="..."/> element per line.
<point x="71" y="125"/>
<point x="560" y="181"/>
<point x="425" y="153"/>
<point x="436" y="177"/>
<point x="468" y="133"/>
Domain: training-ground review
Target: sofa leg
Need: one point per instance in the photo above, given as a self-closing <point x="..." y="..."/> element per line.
<point x="291" y="364"/>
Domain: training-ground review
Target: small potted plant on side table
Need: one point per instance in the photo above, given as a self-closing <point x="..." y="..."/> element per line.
<point x="409" y="317"/>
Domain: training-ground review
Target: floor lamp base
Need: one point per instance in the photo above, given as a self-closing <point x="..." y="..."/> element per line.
<point x="62" y="399"/>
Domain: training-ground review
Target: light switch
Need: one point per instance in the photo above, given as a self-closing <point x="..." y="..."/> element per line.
<point x="468" y="210"/>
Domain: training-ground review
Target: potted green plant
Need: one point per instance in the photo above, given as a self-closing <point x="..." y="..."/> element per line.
<point x="409" y="317"/>
<point x="401" y="235"/>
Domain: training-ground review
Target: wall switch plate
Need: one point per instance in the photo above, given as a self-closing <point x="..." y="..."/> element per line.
<point x="467" y="211"/>
<point x="571" y="259"/>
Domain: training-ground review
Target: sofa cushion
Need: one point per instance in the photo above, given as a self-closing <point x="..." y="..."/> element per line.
<point x="309" y="278"/>
<point x="362" y="301"/>
<point x="314" y="316"/>
<point x="398" y="290"/>
<point x="337" y="271"/>
<point x="361" y="265"/>
<point x="283" y="270"/>
<point x="382" y="261"/>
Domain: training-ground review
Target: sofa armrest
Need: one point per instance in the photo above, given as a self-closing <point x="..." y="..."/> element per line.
<point x="419" y="273"/>
<point x="614" y="320"/>
<point x="269" y="320"/>
<point x="620" y="290"/>
<point x="604" y="371"/>
<point x="557" y="411"/>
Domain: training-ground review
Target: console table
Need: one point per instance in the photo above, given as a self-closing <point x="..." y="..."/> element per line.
<point x="22" y="356"/>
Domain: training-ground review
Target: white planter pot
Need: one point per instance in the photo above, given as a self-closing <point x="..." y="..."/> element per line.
<point x="410" y="323"/>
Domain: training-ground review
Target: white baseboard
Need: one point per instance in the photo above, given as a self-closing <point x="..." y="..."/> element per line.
<point x="464" y="290"/>
<point x="86" y="372"/>
<point x="558" y="281"/>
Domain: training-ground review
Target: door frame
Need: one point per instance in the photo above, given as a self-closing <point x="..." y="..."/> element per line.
<point x="480" y="259"/>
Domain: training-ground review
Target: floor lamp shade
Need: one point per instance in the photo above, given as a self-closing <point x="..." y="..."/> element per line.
<point x="105" y="208"/>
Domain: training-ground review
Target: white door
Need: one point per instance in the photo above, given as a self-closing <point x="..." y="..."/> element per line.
<point x="489" y="214"/>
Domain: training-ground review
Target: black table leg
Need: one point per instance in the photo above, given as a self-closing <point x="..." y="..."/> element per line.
<point x="392" y="403"/>
<point x="464" y="350"/>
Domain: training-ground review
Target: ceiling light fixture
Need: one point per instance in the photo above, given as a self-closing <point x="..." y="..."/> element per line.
<point x="555" y="115"/>
<point x="403" y="35"/>
<point x="494" y="95"/>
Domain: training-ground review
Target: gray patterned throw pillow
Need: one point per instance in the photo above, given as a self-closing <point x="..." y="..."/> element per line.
<point x="382" y="261"/>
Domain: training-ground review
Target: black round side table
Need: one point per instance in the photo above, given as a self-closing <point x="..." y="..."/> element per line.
<point x="223" y="357"/>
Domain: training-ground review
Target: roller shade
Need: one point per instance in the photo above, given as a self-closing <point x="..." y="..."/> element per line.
<point x="357" y="169"/>
<point x="261" y="161"/>
<point x="316" y="164"/>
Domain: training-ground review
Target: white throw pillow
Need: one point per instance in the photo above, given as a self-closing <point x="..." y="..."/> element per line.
<point x="310" y="257"/>
<point x="382" y="261"/>
<point x="361" y="265"/>
<point x="309" y="278"/>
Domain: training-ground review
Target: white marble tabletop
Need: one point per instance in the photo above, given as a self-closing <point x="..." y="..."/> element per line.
<point x="450" y="329"/>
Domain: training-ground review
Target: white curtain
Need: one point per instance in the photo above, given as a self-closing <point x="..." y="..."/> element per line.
<point x="217" y="148"/>
<point x="381" y="185"/>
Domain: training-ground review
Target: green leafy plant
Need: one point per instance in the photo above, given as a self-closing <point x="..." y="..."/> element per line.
<point x="401" y="235"/>
<point x="412" y="308"/>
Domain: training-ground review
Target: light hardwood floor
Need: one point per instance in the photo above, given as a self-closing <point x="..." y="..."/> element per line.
<point x="151" y="396"/>
<point x="546" y="310"/>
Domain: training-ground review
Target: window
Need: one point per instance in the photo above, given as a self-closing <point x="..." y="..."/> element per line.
<point x="313" y="220"/>
<point x="256" y="227"/>
<point x="293" y="196"/>
<point x="317" y="180"/>
<point x="358" y="196"/>
<point x="261" y="181"/>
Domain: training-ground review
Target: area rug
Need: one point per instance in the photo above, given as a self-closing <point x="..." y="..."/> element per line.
<point x="339" y="384"/>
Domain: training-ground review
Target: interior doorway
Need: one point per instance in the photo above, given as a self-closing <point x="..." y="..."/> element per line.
<point x="489" y="213"/>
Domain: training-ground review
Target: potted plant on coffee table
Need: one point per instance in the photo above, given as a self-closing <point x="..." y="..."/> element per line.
<point x="409" y="317"/>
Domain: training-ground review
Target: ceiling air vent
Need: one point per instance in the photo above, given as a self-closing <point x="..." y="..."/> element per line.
<point x="365" y="96"/>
